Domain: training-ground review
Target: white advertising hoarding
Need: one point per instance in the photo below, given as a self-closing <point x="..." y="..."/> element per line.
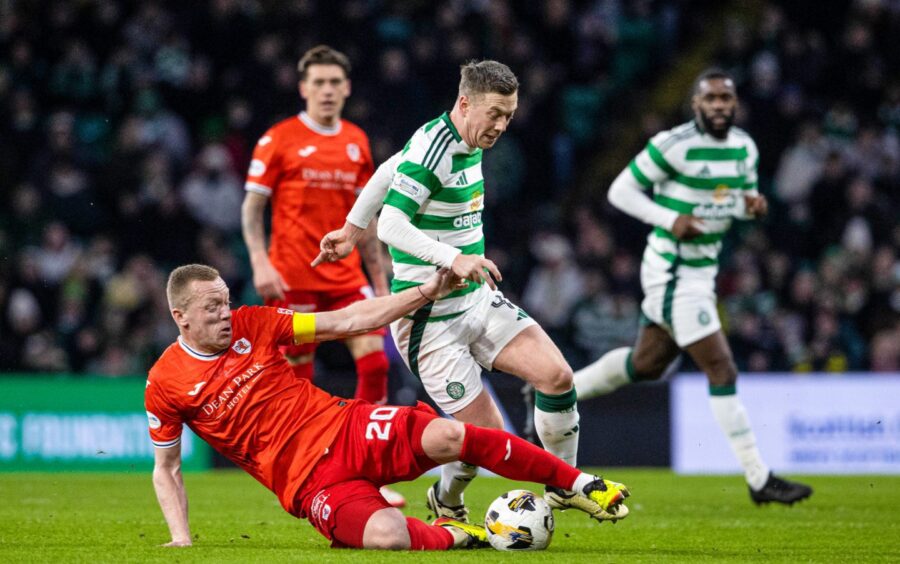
<point x="812" y="424"/>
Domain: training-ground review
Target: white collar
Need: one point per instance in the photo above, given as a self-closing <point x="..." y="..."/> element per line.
<point x="199" y="355"/>
<point x="317" y="127"/>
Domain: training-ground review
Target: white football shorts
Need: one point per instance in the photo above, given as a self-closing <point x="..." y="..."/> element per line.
<point x="448" y="355"/>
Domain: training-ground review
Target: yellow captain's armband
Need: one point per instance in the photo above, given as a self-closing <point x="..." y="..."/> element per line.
<point x="304" y="328"/>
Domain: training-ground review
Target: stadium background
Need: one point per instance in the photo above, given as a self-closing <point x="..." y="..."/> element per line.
<point x="126" y="130"/>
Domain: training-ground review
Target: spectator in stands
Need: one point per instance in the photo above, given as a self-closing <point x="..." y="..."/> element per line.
<point x="101" y="129"/>
<point x="213" y="192"/>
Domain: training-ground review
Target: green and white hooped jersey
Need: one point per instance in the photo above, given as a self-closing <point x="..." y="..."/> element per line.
<point x="438" y="184"/>
<point x="695" y="173"/>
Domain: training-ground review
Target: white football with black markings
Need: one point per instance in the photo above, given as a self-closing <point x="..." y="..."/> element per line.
<point x="519" y="520"/>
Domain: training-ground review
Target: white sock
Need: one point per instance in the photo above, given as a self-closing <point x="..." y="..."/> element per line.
<point x="581" y="481"/>
<point x="603" y="376"/>
<point x="558" y="431"/>
<point x="732" y="418"/>
<point x="455" y="478"/>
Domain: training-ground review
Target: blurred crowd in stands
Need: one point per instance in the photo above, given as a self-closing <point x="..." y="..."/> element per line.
<point x="126" y="130"/>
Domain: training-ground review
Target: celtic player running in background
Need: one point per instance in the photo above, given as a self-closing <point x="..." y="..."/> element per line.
<point x="432" y="218"/>
<point x="703" y="175"/>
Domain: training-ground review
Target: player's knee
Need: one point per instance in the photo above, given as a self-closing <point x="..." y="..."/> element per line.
<point x="442" y="440"/>
<point x="391" y="539"/>
<point x="559" y="381"/>
<point x="721" y="370"/>
<point x="453" y="435"/>
<point x="386" y="530"/>
<point x="648" y="368"/>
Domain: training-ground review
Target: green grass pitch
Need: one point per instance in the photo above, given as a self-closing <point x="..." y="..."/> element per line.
<point x="114" y="518"/>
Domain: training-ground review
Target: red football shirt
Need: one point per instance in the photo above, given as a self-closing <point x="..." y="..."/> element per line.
<point x="246" y="402"/>
<point x="313" y="175"/>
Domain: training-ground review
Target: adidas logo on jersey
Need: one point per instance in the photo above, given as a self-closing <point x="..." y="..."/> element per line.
<point x="704" y="172"/>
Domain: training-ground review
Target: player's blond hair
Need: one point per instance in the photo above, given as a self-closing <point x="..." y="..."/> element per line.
<point x="323" y="55"/>
<point x="178" y="286"/>
<point x="485" y="77"/>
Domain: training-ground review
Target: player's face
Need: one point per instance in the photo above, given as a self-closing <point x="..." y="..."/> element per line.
<point x="486" y="117"/>
<point x="325" y="89"/>
<point x="715" y="104"/>
<point x="206" y="321"/>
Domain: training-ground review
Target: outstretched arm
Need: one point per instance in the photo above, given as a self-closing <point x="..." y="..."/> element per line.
<point x="169" y="486"/>
<point x="367" y="315"/>
<point x="395" y="229"/>
<point x="336" y="245"/>
<point x="370" y="199"/>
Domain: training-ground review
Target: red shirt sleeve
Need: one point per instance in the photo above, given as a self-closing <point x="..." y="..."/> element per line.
<point x="275" y="323"/>
<point x="163" y="418"/>
<point x="265" y="168"/>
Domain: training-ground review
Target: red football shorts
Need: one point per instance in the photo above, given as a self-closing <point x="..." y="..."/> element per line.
<point x="311" y="302"/>
<point x="378" y="445"/>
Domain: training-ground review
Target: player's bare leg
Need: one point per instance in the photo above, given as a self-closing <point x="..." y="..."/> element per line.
<point x="653" y="352"/>
<point x="713" y="355"/>
<point x="389" y="529"/>
<point x="386" y="530"/>
<point x="532" y="356"/>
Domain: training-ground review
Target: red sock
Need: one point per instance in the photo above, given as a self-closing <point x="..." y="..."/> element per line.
<point x="514" y="458"/>
<point x="423" y="536"/>
<point x="372" y="377"/>
<point x="303" y="371"/>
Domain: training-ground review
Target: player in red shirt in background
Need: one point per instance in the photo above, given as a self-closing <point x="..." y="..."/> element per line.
<point x="312" y="166"/>
<point x="323" y="456"/>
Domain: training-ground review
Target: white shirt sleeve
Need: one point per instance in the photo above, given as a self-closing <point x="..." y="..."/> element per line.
<point x="627" y="194"/>
<point x="750" y="183"/>
<point x="395" y="229"/>
<point x="370" y="199"/>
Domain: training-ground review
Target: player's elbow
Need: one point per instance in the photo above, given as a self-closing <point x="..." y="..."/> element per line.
<point x="356" y="319"/>
<point x="353" y="327"/>
<point x="617" y="192"/>
<point x="382" y="228"/>
<point x="390" y="226"/>
<point x="362" y="324"/>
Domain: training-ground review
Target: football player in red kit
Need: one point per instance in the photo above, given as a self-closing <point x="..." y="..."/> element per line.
<point x="311" y="166"/>
<point x="323" y="456"/>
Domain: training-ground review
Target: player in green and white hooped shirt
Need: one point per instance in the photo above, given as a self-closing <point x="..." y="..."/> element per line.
<point x="702" y="175"/>
<point x="432" y="218"/>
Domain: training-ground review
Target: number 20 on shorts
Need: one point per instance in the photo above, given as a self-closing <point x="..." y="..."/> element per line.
<point x="380" y="423"/>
